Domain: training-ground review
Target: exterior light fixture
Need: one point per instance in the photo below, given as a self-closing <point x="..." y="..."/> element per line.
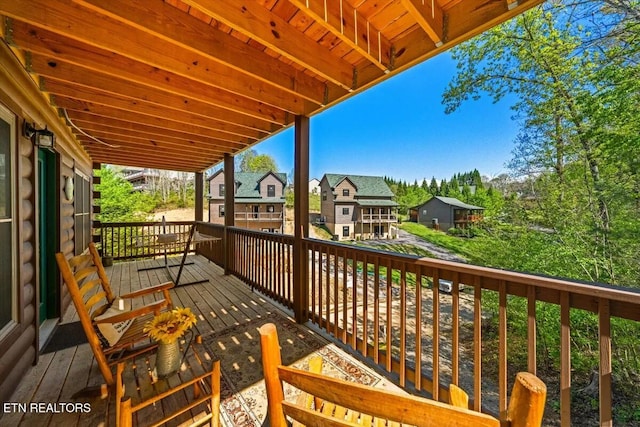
<point x="43" y="138"/>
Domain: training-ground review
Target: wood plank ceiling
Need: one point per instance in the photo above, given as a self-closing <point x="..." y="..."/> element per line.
<point x="176" y="84"/>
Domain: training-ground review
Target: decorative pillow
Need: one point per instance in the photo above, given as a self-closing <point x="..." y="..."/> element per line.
<point x="110" y="333"/>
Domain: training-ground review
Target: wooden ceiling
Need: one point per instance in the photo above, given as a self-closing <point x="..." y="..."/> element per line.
<point x="176" y="84"/>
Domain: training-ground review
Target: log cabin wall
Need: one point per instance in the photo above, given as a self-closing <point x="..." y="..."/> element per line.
<point x="19" y="344"/>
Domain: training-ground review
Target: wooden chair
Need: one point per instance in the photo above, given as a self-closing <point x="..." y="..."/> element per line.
<point x="138" y="390"/>
<point x="92" y="296"/>
<point x="341" y="403"/>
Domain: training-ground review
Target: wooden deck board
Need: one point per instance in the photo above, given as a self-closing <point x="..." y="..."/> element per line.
<point x="224" y="301"/>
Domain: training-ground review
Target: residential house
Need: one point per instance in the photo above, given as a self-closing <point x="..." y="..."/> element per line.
<point x="142" y="179"/>
<point x="259" y="200"/>
<point x="444" y="213"/>
<point x="314" y="186"/>
<point x="357" y="206"/>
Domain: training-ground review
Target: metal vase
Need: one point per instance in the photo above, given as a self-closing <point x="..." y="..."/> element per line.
<point x="168" y="359"/>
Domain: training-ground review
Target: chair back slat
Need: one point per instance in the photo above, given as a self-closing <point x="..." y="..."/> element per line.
<point x="81" y="274"/>
<point x="97" y="298"/>
<point x="91" y="285"/>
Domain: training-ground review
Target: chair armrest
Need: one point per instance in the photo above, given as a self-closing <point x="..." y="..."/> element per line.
<point x="149" y="290"/>
<point x="149" y="308"/>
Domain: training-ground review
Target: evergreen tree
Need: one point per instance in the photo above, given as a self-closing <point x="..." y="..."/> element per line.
<point x="433" y="187"/>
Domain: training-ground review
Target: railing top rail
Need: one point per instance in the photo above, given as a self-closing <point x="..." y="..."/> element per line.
<point x="142" y="223"/>
<point x="593" y="290"/>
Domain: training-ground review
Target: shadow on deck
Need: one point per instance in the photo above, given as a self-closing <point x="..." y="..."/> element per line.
<point x="229" y="314"/>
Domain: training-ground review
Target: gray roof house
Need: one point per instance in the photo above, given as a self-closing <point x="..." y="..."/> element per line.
<point x="446" y="212"/>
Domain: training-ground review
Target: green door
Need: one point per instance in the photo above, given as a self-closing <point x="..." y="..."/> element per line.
<point x="47" y="220"/>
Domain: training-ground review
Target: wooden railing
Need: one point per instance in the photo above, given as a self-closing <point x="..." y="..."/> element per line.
<point x="262" y="260"/>
<point x="130" y="240"/>
<point x="258" y="216"/>
<point x="389" y="307"/>
<point x="378" y="217"/>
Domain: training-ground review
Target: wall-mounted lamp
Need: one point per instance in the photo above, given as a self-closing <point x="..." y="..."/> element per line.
<point x="43" y="138"/>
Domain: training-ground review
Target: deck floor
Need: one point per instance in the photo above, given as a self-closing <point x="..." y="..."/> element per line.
<point x="223" y="302"/>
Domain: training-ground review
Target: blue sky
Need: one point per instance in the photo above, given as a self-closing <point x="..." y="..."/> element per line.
<point x="399" y="129"/>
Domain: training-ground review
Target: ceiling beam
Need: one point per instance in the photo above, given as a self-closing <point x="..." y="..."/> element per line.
<point x="350" y="26"/>
<point x="249" y="18"/>
<point x="179" y="28"/>
<point x="158" y="147"/>
<point x="126" y="159"/>
<point x="109" y="133"/>
<point x="177" y="130"/>
<point x="70" y="104"/>
<point x="471" y="17"/>
<point x="60" y="48"/>
<point x="69" y="91"/>
<point x="75" y="22"/>
<point x="429" y="16"/>
<point x="74" y="77"/>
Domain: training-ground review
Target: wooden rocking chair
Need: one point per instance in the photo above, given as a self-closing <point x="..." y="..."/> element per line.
<point x="334" y="402"/>
<point x="94" y="301"/>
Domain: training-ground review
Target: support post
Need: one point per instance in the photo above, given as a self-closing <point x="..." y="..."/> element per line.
<point x="199" y="187"/>
<point x="301" y="219"/>
<point x="229" y="210"/>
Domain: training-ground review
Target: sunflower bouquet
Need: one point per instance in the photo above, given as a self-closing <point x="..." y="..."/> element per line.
<point x="171" y="325"/>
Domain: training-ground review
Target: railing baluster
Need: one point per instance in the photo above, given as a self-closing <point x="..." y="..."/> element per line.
<point x="314" y="285"/>
<point x="327" y="302"/>
<point x="418" y="340"/>
<point x="477" y="344"/>
<point x="354" y="301"/>
<point x="403" y="324"/>
<point x="335" y="292"/>
<point x="389" y="325"/>
<point x="376" y="309"/>
<point x="365" y="309"/>
<point x="531" y="330"/>
<point x="502" y="350"/>
<point x="345" y="296"/>
<point x="565" y="360"/>
<point x="604" y="336"/>
<point x="435" y="391"/>
<point x="455" y="329"/>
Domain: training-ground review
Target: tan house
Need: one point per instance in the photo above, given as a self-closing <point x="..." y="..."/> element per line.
<point x="357" y="206"/>
<point x="259" y="200"/>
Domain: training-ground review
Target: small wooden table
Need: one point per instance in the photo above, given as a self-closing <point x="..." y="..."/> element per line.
<point x="155" y="400"/>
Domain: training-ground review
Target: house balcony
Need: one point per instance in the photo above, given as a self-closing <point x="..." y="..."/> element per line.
<point x="378" y="217"/>
<point x="258" y="216"/>
<point x="423" y="338"/>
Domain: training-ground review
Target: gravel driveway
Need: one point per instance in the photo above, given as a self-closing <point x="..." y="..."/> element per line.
<point x="405" y="238"/>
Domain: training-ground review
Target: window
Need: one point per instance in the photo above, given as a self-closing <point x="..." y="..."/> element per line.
<point x="345" y="211"/>
<point x="345" y="192"/>
<point x="324" y="195"/>
<point x="8" y="291"/>
<point x="270" y="208"/>
<point x="271" y="191"/>
<point x="82" y="205"/>
<point x="221" y="211"/>
<point x="424" y="211"/>
<point x="221" y="190"/>
<point x="345" y="231"/>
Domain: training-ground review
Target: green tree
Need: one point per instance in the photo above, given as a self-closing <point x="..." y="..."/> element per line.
<point x="577" y="85"/>
<point x="118" y="201"/>
<point x="433" y="186"/>
<point x="251" y="161"/>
